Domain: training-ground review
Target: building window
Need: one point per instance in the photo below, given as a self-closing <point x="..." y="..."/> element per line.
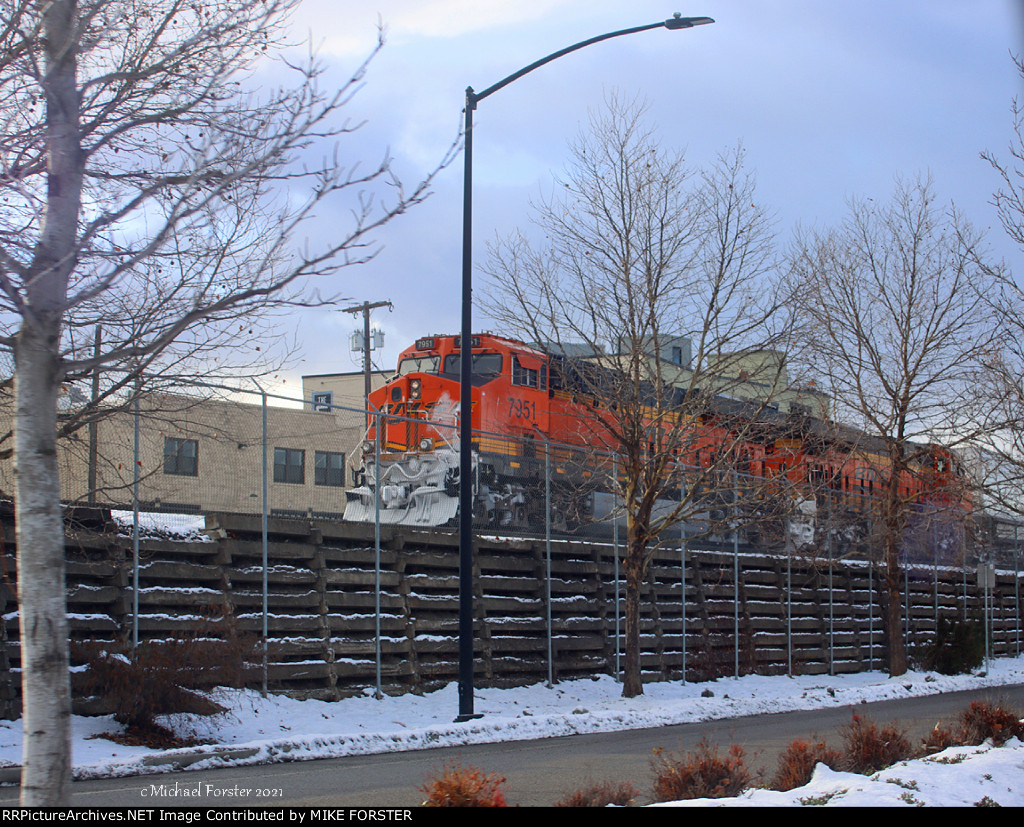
<point x="181" y="457"/>
<point x="329" y="469"/>
<point x="290" y="465"/>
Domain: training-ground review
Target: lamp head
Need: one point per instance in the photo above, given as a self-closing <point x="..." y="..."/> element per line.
<point x="677" y="21"/>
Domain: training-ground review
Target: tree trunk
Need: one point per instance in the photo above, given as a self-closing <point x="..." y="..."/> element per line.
<point x="894" y="522"/>
<point x="896" y="648"/>
<point x="632" y="682"/>
<point x="46" y="690"/>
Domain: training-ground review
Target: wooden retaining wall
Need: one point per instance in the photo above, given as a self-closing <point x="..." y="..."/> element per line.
<point x="322" y="617"/>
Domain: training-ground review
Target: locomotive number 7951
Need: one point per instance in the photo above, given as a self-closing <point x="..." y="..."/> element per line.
<point x="522" y="409"/>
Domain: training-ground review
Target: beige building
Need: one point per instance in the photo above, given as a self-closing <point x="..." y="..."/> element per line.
<point x="345" y="390"/>
<point x="761" y="375"/>
<point x="203" y="455"/>
<point x="750" y="375"/>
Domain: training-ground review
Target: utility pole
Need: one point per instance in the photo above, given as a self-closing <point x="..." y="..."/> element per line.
<point x="365" y="309"/>
<point x="93" y="423"/>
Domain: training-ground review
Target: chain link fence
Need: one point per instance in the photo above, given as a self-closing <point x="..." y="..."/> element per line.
<point x="168" y="459"/>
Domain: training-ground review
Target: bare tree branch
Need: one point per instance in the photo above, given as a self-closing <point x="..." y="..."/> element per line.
<point x="639" y="256"/>
<point x="145" y="188"/>
<point x="892" y="317"/>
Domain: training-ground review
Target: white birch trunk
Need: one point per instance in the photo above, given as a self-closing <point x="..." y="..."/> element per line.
<point x="46" y="692"/>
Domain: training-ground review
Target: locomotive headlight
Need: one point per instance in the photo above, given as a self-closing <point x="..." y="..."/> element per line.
<point x="414" y="389"/>
<point x="367" y="447"/>
<point x="426" y="444"/>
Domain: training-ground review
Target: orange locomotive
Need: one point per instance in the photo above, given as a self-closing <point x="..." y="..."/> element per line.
<point x="521" y="403"/>
<point x="514" y="408"/>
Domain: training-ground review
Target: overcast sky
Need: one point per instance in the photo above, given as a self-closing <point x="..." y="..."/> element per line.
<point x="830" y="100"/>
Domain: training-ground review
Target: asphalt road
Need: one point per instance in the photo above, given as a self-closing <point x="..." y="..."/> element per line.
<point x="537" y="773"/>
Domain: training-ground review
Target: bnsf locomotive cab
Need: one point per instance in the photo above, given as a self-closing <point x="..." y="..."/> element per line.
<point x="413" y="457"/>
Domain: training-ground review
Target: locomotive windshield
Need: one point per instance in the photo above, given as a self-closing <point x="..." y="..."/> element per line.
<point x="485" y="365"/>
<point x="419" y="364"/>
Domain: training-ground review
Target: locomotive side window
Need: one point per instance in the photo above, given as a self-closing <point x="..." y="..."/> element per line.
<point x="528" y="377"/>
<point x="555" y="376"/>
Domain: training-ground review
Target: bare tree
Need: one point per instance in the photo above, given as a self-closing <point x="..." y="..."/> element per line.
<point x="641" y="256"/>
<point x="1009" y="198"/>
<point x="892" y="318"/>
<point x="1001" y="454"/>
<point x="144" y="189"/>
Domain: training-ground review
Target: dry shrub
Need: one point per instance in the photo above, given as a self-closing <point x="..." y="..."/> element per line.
<point x="982" y="721"/>
<point x="940" y="738"/>
<point x="870" y="748"/>
<point x="163" y="677"/>
<point x="700" y="774"/>
<point x="601" y="794"/>
<point x="457" y="786"/>
<point x="797" y="763"/>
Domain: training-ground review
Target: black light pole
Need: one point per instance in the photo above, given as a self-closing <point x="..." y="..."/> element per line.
<point x="466" y="367"/>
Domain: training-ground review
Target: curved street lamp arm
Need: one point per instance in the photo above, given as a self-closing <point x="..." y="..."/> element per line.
<point x="472" y="98"/>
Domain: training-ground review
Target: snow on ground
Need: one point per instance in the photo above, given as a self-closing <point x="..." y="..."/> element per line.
<point x="276" y="728"/>
<point x="957" y="777"/>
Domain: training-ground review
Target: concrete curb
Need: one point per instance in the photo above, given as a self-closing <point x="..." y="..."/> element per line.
<point x="11" y="773"/>
<point x="180" y="760"/>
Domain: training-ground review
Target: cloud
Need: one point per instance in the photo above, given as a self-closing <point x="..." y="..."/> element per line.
<point x="349" y="27"/>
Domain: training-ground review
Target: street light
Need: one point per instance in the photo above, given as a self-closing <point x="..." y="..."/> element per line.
<point x="466" y="367"/>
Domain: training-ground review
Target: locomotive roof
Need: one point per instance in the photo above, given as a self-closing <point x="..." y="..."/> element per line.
<point x="492" y="336"/>
<point x="773" y="423"/>
<point x="578" y="359"/>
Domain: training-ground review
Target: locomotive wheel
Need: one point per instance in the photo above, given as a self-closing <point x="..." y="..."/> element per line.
<point x="519" y="516"/>
<point x="481" y="515"/>
<point x="561" y="521"/>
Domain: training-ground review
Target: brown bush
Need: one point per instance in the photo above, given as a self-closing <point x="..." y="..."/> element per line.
<point x="940" y="738"/>
<point x="869" y="748"/>
<point x="457" y="786"/>
<point x="601" y="794"/>
<point x="700" y="774"/>
<point x="163" y="677"/>
<point x="982" y="721"/>
<point x="797" y="763"/>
